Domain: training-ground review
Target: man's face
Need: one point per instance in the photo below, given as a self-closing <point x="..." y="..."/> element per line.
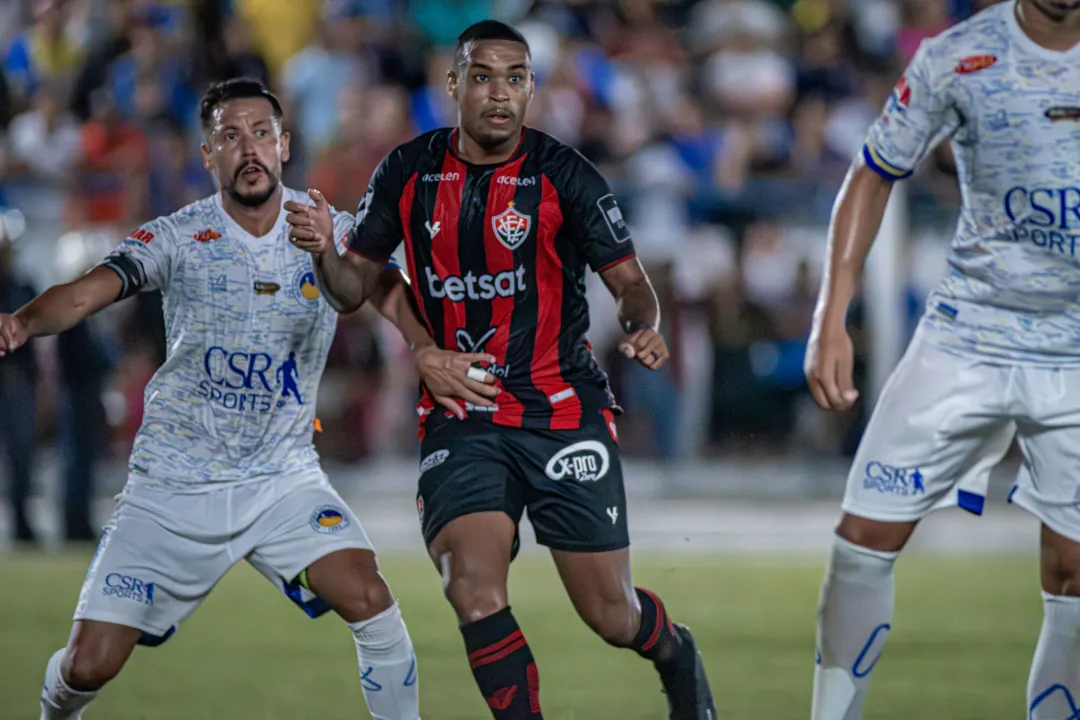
<point x="492" y="88"/>
<point x="245" y="149"/>
<point x="1056" y="9"/>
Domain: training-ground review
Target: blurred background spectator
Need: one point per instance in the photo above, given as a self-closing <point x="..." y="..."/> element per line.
<point x="724" y="127"/>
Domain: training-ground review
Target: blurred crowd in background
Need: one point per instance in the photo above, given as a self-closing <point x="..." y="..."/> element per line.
<point x="724" y="127"/>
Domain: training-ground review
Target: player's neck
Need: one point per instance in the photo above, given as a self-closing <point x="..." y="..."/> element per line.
<point x="1053" y="33"/>
<point x="471" y="152"/>
<point x="256" y="221"/>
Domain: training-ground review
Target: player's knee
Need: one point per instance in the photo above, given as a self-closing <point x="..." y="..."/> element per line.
<point x="87" y="666"/>
<point x="1060" y="564"/>
<point x="370" y="597"/>
<point x="474" y="596"/>
<point x="616" y="620"/>
<point x="875" y="534"/>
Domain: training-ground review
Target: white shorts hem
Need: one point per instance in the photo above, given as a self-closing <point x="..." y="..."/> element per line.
<point x="323" y="551"/>
<point x="884" y="516"/>
<point x="117" y="619"/>
<point x="1031" y="504"/>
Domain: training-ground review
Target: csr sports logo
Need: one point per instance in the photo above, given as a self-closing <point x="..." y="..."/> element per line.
<point x="249" y="381"/>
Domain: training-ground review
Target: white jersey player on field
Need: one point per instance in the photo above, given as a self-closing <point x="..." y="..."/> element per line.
<point x="223" y="467"/>
<point x="997" y="353"/>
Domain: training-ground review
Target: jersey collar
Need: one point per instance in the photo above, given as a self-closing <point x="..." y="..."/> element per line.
<point x="1025" y="41"/>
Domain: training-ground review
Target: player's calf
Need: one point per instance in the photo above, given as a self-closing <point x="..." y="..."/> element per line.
<point x="95" y="654"/>
<point x="473" y="555"/>
<point x="1054" y="682"/>
<point x="350" y="581"/>
<point x="854" y="613"/>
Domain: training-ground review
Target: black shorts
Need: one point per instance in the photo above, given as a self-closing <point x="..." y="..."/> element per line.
<point x="570" y="480"/>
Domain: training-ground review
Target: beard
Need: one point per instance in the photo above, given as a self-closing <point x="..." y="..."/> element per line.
<point x="253" y="198"/>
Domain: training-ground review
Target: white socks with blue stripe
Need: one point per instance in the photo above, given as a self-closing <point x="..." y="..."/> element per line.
<point x="854" y="616"/>
<point x="58" y="701"/>
<point x="1054" y="683"/>
<point x="388" y="672"/>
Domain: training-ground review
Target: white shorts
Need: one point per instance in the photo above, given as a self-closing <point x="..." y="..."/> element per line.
<point x="945" y="420"/>
<point x="162" y="551"/>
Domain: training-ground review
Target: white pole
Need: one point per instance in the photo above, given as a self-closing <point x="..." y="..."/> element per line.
<point x="884" y="284"/>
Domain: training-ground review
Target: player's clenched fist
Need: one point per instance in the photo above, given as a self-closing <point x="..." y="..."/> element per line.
<point x="647" y="347"/>
<point x="311" y="228"/>
<point x="12" y="334"/>
<point x="830" y="359"/>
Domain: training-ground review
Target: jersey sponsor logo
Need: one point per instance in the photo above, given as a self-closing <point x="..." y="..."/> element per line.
<point x="141" y="235"/>
<point x="467" y="344"/>
<point x="249" y="381"/>
<point x="303" y="288"/>
<point x="266" y="288"/>
<point x="585" y="461"/>
<point x="511" y="227"/>
<point x="893" y="480"/>
<point x="329" y="519"/>
<point x="901" y="94"/>
<point x="433" y="460"/>
<point x="516" y="181"/>
<point x="207" y="235"/>
<point x="1046" y="217"/>
<point x="613" y="216"/>
<point x="1062" y="112"/>
<point x="974" y="63"/>
<point x="506" y="284"/>
<point x="441" y="177"/>
<point x="128" y="587"/>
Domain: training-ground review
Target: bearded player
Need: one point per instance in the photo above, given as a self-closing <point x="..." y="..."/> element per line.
<point x="500" y="224"/>
<point x="997" y="353"/>
<point x="223" y="467"/>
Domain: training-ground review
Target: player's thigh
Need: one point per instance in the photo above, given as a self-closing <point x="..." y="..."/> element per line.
<point x="302" y="522"/>
<point x="465" y="470"/>
<point x="939" y="427"/>
<point x="1048" y="483"/>
<point x="158" y="557"/>
<point x="576" y="497"/>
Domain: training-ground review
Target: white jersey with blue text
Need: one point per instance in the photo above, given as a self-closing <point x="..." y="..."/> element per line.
<point x="247" y="339"/>
<point x="1011" y="110"/>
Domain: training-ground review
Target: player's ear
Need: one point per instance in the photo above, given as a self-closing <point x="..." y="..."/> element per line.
<point x="451" y="83"/>
<point x="284" y="140"/>
<point x="205" y="155"/>
<point x="532" y="84"/>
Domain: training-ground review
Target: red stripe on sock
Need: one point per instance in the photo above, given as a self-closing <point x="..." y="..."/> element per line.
<point x="496" y="645"/>
<point x="534" y="688"/>
<point x="660" y="621"/>
<point x="488" y="659"/>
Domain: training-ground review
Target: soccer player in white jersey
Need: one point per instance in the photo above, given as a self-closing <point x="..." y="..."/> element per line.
<point x="223" y="467"/>
<point x="997" y="352"/>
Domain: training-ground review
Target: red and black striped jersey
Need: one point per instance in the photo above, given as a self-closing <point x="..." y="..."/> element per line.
<point x="497" y="256"/>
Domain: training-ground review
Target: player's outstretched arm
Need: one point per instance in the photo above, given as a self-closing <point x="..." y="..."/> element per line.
<point x="639" y="313"/>
<point x="346" y="281"/>
<point x="446" y="373"/>
<point x="59" y="308"/>
<point x="856" y="218"/>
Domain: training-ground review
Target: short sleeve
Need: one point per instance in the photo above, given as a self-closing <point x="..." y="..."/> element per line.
<point x="343" y="225"/>
<point x="594" y="210"/>
<point x="378" y="229"/>
<point x="145" y="259"/>
<point x="919" y="115"/>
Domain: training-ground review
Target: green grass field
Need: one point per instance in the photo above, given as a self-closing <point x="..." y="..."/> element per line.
<point x="962" y="639"/>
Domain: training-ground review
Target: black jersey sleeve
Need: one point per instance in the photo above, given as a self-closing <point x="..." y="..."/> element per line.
<point x="597" y="216"/>
<point x="378" y="229"/>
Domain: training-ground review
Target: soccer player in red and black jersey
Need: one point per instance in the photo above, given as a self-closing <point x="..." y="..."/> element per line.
<point x="500" y="223"/>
